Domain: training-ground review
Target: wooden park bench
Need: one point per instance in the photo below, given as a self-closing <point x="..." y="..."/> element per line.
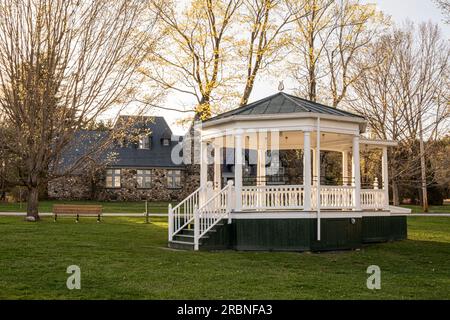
<point x="76" y="210"/>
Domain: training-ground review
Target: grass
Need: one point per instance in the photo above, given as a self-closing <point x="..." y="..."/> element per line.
<point x="433" y="209"/>
<point x="109" y="207"/>
<point x="124" y="258"/>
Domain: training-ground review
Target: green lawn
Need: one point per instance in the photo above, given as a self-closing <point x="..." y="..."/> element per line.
<point x="110" y="207"/>
<point x="433" y="209"/>
<point x="124" y="258"/>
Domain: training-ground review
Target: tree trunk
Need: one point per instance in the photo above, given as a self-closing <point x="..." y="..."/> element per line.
<point x="312" y="82"/>
<point x="203" y="109"/>
<point x="247" y="91"/>
<point x="395" y="197"/>
<point x="423" y="172"/>
<point x="32" y="204"/>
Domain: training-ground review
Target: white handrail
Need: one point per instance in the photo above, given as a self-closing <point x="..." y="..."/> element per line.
<point x="183" y="213"/>
<point x="333" y="197"/>
<point x="372" y="199"/>
<point x="273" y="197"/>
<point x="211" y="212"/>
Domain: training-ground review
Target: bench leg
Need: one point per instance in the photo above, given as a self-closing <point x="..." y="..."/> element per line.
<point x="98" y="218"/>
<point x="54" y="218"/>
<point x="78" y="218"/>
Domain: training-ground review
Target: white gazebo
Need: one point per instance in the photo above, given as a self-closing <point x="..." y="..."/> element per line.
<point x="282" y="122"/>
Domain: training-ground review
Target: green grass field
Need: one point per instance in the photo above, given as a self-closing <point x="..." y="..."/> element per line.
<point x="433" y="209"/>
<point x="124" y="258"/>
<point x="109" y="207"/>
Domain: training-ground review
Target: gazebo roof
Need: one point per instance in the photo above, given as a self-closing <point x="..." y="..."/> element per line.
<point x="283" y="103"/>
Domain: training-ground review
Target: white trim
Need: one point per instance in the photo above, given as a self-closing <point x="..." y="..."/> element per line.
<point x="307" y="169"/>
<point x="298" y="115"/>
<point x="356" y="173"/>
<point x="385" y="176"/>
<point x="295" y="215"/>
<point x="217" y="167"/>
<point x="345" y="168"/>
<point x="203" y="164"/>
<point x="311" y="215"/>
<point x="228" y="131"/>
<point x="318" y="136"/>
<point x="239" y="161"/>
<point x="380" y="143"/>
<point x="400" y="210"/>
<point x="376" y="214"/>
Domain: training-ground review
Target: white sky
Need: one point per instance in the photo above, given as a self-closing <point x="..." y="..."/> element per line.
<point x="400" y="10"/>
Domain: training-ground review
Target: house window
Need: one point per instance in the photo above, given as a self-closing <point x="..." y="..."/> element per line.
<point x="166" y="142"/>
<point x="144" y="142"/>
<point x="144" y="178"/>
<point x="174" y="178"/>
<point x="113" y="178"/>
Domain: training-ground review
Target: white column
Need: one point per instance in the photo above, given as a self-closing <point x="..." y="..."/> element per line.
<point x="356" y="173"/>
<point x="217" y="167"/>
<point x="203" y="170"/>
<point x="307" y="170"/>
<point x="385" y="177"/>
<point x="344" y="168"/>
<point x="203" y="164"/>
<point x="261" y="167"/>
<point x="314" y="167"/>
<point x="238" y="170"/>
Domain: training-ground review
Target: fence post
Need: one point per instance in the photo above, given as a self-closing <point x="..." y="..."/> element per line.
<point x="146" y="212"/>
<point x="170" y="222"/>
<point x="229" y="199"/>
<point x="196" y="229"/>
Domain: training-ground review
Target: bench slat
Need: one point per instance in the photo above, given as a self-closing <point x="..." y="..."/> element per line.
<point x="62" y="209"/>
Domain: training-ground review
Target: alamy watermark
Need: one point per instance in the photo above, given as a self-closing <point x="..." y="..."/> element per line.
<point x="374" y="280"/>
<point x="190" y="149"/>
<point x="74" y="280"/>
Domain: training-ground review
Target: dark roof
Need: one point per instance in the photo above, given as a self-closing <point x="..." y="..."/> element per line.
<point x="84" y="143"/>
<point x="157" y="156"/>
<point x="128" y="156"/>
<point x="283" y="103"/>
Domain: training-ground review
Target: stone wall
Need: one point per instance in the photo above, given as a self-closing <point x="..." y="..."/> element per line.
<point x="81" y="188"/>
<point x="74" y="187"/>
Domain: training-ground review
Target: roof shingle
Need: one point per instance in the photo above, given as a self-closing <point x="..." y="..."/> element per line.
<point x="283" y="103"/>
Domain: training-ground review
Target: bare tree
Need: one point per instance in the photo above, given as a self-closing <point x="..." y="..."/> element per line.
<point x="405" y="98"/>
<point x="327" y="44"/>
<point x="312" y="35"/>
<point x="357" y="25"/>
<point x="267" y="36"/>
<point x="196" y="46"/>
<point x="444" y="5"/>
<point x="62" y="64"/>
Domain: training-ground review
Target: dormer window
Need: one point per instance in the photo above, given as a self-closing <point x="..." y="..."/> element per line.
<point x="144" y="142"/>
<point x="165" y="142"/>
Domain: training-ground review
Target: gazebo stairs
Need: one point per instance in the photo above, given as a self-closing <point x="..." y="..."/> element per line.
<point x="184" y="239"/>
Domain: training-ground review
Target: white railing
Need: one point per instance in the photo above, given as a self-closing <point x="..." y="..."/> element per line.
<point x="215" y="209"/>
<point x="205" y="208"/>
<point x="272" y="197"/>
<point x="372" y="199"/>
<point x="183" y="213"/>
<point x="333" y="197"/>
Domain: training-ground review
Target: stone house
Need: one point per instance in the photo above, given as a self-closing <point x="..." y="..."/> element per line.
<point x="129" y="170"/>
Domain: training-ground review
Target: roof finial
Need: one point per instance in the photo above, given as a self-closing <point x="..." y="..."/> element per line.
<point x="281" y="86"/>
